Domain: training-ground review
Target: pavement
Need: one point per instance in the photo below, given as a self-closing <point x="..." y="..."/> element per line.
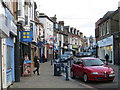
<point x="46" y="80"/>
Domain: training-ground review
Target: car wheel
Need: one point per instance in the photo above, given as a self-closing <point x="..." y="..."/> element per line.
<point x="111" y="81"/>
<point x="85" y="78"/>
<point x="72" y="74"/>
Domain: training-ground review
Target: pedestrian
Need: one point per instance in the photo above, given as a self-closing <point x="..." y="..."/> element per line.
<point x="43" y="58"/>
<point x="107" y="58"/>
<point x="36" y="64"/>
<point x="56" y="55"/>
<point x="26" y="56"/>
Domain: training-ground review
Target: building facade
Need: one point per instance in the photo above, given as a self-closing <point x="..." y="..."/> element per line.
<point x="8" y="44"/>
<point x="107" y="37"/>
<point x="48" y="35"/>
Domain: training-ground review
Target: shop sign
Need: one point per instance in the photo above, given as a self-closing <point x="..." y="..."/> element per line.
<point x="65" y="47"/>
<point x="105" y="42"/>
<point x="74" y="46"/>
<point x="26" y="36"/>
<point x="13" y="28"/>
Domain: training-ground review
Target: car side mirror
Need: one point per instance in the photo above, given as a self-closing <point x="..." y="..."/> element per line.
<point x="81" y="65"/>
<point x="106" y="63"/>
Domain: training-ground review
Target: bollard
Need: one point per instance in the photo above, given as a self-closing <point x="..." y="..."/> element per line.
<point x="51" y="62"/>
<point x="62" y="67"/>
<point x="66" y="70"/>
<point x="70" y="62"/>
<point x="67" y="62"/>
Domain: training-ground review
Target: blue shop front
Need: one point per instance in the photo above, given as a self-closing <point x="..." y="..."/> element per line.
<point x="10" y="74"/>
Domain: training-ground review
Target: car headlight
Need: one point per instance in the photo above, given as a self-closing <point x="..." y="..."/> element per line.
<point x="95" y="73"/>
<point x="111" y="72"/>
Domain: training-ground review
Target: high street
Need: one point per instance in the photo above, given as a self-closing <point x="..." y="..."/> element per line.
<point x="48" y="80"/>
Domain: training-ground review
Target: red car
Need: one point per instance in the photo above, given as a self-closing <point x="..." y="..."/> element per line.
<point x="92" y="69"/>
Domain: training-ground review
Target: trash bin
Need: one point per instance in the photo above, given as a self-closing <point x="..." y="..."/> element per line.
<point x="57" y="69"/>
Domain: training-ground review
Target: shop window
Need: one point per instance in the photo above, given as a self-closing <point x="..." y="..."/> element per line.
<point x="9" y="48"/>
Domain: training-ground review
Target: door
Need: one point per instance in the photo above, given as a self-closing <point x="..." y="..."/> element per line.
<point x="9" y="65"/>
<point x="79" y="68"/>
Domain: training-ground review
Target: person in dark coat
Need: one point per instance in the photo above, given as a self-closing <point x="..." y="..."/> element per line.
<point x="107" y="58"/>
<point x="43" y="58"/>
<point x="36" y="64"/>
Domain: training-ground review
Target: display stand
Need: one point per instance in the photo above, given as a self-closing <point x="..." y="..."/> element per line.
<point x="27" y="67"/>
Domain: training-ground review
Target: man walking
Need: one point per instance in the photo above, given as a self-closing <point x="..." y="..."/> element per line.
<point x="107" y="58"/>
<point x="36" y="64"/>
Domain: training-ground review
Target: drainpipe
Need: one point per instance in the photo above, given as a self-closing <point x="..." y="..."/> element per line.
<point x="29" y="50"/>
<point x="119" y="34"/>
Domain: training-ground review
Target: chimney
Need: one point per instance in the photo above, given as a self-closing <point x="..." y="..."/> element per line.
<point x="119" y="4"/>
<point x="54" y="18"/>
<point x="41" y="14"/>
<point x="61" y="23"/>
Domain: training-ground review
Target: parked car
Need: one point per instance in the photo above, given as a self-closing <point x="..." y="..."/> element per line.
<point x="84" y="54"/>
<point x="69" y="53"/>
<point x="92" y="69"/>
<point x="80" y="54"/>
<point x="64" y="58"/>
<point x="88" y="54"/>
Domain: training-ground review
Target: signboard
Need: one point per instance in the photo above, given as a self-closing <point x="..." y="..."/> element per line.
<point x="26" y="36"/>
<point x="27" y="67"/>
<point x="105" y="42"/>
<point x="74" y="46"/>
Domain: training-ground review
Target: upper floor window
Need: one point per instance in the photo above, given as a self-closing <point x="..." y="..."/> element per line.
<point x="56" y="26"/>
<point x="103" y="26"/>
<point x="100" y="30"/>
<point x="70" y="30"/>
<point x="62" y="28"/>
<point x="107" y="28"/>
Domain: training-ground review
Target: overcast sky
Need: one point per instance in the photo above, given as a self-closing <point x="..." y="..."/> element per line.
<point x="81" y="14"/>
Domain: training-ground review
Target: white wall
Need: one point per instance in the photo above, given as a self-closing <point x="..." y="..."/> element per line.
<point x="48" y="30"/>
<point x="48" y="27"/>
<point x="4" y="63"/>
<point x="2" y="10"/>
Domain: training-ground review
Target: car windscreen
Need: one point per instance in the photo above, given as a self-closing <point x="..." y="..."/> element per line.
<point x="93" y="62"/>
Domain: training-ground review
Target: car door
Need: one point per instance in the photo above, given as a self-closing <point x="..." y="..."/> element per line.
<point x="79" y="68"/>
<point x="74" y="67"/>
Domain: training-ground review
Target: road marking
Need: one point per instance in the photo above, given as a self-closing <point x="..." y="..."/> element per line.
<point x="87" y="86"/>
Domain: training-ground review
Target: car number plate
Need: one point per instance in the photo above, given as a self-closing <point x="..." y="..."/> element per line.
<point x="111" y="75"/>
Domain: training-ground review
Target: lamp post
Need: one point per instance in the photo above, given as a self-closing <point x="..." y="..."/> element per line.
<point x="17" y="55"/>
<point x="119" y="33"/>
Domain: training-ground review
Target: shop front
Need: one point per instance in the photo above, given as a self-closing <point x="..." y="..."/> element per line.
<point x="105" y="46"/>
<point x="74" y="49"/>
<point x="9" y="61"/>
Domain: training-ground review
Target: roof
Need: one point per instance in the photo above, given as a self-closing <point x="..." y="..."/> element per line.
<point x="45" y="16"/>
<point x="107" y="16"/>
<point x="84" y="58"/>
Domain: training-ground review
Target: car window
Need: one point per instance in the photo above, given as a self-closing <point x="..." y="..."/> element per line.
<point x="93" y="62"/>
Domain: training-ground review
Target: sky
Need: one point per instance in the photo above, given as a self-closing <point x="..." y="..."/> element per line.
<point x="80" y="14"/>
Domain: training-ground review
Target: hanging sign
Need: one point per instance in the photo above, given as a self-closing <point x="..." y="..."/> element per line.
<point x="26" y="36"/>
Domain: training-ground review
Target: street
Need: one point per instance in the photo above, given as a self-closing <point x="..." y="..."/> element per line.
<point x="48" y="80"/>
